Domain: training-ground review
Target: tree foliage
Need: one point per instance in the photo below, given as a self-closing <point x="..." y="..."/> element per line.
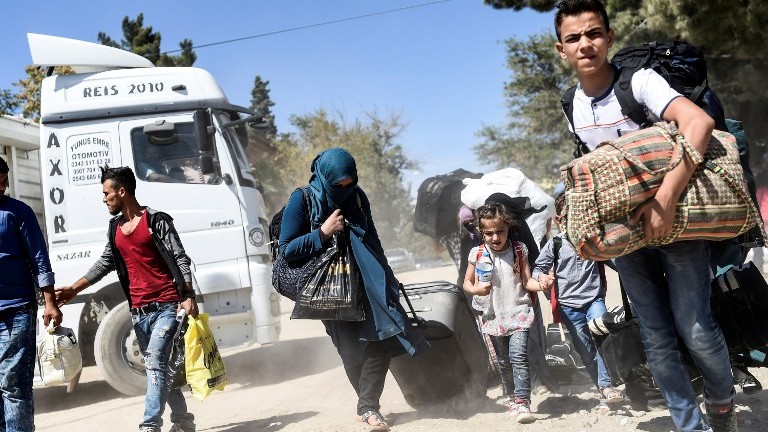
<point x="533" y="139"/>
<point x="380" y="163"/>
<point x="146" y="43"/>
<point x="262" y="104"/>
<point x="729" y="33"/>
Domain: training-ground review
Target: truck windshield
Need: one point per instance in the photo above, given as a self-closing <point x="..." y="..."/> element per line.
<point x="237" y="138"/>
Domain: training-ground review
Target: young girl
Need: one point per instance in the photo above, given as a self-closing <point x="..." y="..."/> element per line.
<point x="505" y="304"/>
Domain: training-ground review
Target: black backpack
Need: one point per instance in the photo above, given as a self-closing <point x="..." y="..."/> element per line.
<point x="277" y="220"/>
<point x="438" y="202"/>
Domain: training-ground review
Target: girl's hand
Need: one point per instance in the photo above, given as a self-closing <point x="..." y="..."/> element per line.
<point x="332" y="225"/>
<point x="482" y="288"/>
<point x="546" y="281"/>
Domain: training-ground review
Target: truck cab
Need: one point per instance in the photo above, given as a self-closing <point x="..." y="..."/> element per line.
<point x="185" y="142"/>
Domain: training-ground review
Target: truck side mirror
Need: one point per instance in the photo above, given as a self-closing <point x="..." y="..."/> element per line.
<point x="203" y="131"/>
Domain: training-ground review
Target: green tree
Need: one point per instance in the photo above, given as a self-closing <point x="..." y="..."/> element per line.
<point x="380" y="164"/>
<point x="146" y="43"/>
<point x="261" y="149"/>
<point x="262" y="104"/>
<point x="534" y="138"/>
<point x="8" y="103"/>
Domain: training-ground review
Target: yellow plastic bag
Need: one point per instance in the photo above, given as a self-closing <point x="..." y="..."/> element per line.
<point x="203" y="364"/>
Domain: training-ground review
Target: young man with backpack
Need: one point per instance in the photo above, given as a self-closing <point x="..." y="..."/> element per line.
<point x="668" y="286"/>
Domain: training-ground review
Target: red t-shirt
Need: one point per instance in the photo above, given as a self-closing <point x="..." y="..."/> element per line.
<point x="149" y="276"/>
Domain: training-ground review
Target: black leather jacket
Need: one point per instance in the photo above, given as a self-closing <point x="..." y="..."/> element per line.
<point x="168" y="244"/>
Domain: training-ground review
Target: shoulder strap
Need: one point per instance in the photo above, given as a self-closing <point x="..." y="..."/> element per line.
<point x="567" y="102"/>
<point x="629" y="105"/>
<point x="554" y="293"/>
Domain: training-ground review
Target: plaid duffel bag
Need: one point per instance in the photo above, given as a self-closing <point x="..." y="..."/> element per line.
<point x="602" y="189"/>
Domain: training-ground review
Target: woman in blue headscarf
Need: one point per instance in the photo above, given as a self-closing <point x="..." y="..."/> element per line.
<point x="365" y="347"/>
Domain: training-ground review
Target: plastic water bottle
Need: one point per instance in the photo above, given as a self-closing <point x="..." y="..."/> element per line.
<point x="484" y="268"/>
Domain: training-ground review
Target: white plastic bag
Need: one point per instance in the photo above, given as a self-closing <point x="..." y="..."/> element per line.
<point x="58" y="355"/>
<point x="514" y="183"/>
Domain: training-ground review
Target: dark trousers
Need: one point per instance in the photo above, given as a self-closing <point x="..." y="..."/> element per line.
<point x="365" y="362"/>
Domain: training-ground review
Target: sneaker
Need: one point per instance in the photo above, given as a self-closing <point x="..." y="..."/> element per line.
<point x="148" y="429"/>
<point x="522" y="411"/>
<point x="183" y="427"/>
<point x="722" y="418"/>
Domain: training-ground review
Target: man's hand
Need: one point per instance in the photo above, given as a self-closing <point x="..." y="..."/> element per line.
<point x="657" y="218"/>
<point x="189" y="305"/>
<point x="52" y="312"/>
<point x="65" y="294"/>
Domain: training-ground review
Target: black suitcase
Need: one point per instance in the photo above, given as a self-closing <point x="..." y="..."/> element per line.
<point x="438" y="202"/>
<point x="455" y="368"/>
<point x="740" y="306"/>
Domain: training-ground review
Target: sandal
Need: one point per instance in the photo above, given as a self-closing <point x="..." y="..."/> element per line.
<point x="610" y="395"/>
<point x="378" y="425"/>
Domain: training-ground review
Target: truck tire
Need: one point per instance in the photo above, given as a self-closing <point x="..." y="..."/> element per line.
<point x="117" y="353"/>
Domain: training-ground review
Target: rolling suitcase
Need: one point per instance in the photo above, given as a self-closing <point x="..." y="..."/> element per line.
<point x="455" y="368"/>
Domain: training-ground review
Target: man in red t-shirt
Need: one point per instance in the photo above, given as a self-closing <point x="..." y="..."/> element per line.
<point x="154" y="272"/>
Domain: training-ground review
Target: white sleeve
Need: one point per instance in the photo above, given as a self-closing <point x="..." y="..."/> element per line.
<point x="652" y="91"/>
<point x="472" y="258"/>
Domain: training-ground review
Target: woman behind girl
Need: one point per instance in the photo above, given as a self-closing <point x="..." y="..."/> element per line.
<point x="506" y="306"/>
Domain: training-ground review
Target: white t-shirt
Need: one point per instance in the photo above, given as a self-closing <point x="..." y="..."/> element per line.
<point x="600" y="119"/>
<point x="508" y="307"/>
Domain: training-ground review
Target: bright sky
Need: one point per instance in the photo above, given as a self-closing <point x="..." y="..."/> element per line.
<point x="441" y="66"/>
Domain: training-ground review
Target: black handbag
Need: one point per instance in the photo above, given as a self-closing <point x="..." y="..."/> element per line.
<point x="334" y="289"/>
<point x="288" y="278"/>
<point x="740" y="306"/>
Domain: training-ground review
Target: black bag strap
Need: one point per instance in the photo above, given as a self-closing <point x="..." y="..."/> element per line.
<point x="625" y="302"/>
<point x="622" y="88"/>
<point x="567" y="102"/>
<point x="557" y="243"/>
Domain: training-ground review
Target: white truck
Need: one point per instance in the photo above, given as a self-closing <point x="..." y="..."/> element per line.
<point x="185" y="142"/>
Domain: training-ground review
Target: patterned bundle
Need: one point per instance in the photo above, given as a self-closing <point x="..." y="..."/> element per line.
<point x="602" y="189"/>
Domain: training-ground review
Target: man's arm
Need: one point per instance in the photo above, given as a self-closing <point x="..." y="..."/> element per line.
<point x="40" y="263"/>
<point x="696" y="126"/>
<point x="100" y="268"/>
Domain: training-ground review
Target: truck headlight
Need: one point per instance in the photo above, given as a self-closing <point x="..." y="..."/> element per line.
<point x="257" y="237"/>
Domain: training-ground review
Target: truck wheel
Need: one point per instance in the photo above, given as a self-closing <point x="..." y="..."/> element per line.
<point x="117" y="353"/>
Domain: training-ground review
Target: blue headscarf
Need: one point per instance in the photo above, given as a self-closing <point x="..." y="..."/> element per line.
<point x="328" y="168"/>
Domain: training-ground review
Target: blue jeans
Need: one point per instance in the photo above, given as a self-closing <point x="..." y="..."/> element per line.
<point x="17" y="368"/>
<point x="155" y="332"/>
<point x="575" y="321"/>
<point x="512" y="354"/>
<point x="669" y="288"/>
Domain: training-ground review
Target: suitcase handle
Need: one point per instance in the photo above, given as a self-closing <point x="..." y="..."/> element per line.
<point x="416" y="320"/>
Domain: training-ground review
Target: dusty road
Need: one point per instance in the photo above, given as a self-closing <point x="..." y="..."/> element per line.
<point x="298" y="384"/>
